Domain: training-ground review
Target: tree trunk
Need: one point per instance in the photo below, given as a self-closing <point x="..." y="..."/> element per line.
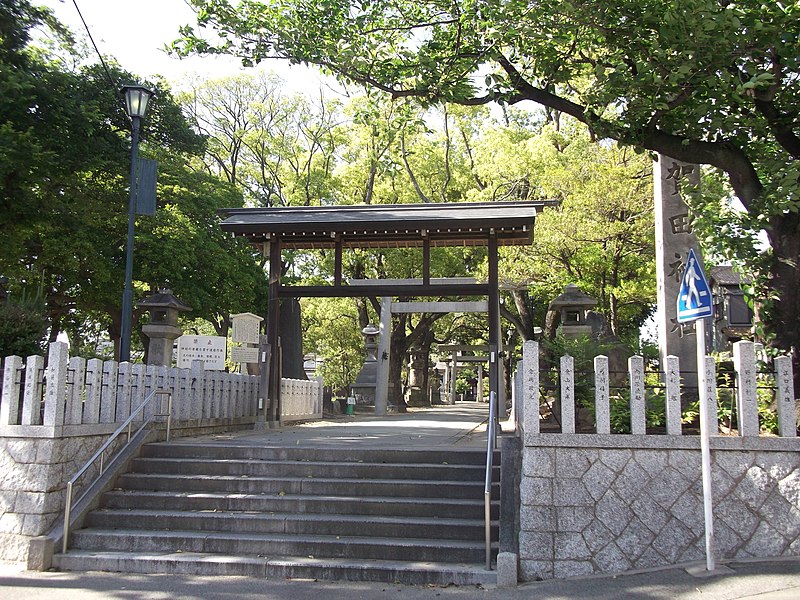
<point x="784" y="318"/>
<point x="291" y="332"/>
<point x="398" y="349"/>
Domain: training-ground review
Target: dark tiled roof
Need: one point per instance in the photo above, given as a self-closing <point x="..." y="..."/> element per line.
<point x="387" y="225"/>
<point x="726" y="275"/>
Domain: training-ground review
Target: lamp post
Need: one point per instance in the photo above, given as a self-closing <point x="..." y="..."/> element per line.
<point x="136" y="99"/>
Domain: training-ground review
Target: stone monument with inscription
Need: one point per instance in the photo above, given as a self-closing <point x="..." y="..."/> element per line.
<point x="674" y="237"/>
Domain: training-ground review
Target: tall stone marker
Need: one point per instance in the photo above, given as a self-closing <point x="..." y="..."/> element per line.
<point x="674" y="238"/>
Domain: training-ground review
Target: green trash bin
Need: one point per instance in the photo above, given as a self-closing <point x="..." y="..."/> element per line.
<point x="351" y="405"/>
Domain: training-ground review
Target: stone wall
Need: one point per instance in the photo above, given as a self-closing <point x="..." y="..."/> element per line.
<point x="55" y="414"/>
<point x="608" y="504"/>
<point x="33" y="475"/>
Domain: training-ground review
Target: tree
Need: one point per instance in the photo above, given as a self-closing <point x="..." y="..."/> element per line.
<point x="279" y="150"/>
<point x="23" y="324"/>
<point x="701" y="81"/>
<point x="64" y="160"/>
<point x="600" y="236"/>
<point x="332" y="331"/>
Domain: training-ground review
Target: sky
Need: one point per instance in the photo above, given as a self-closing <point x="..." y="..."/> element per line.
<point x="135" y="33"/>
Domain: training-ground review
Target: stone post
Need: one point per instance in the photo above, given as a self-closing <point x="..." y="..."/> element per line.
<point x="602" y="408"/>
<point x="530" y="388"/>
<point x="744" y="360"/>
<point x="674" y="237"/>
<point x="673" y="395"/>
<point x="636" y="374"/>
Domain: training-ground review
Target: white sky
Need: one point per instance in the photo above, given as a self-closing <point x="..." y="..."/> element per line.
<point x="135" y="32"/>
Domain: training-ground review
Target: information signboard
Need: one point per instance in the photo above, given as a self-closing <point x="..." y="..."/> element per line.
<point x="211" y="349"/>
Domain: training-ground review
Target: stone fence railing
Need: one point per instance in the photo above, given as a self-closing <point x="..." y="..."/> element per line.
<point x="73" y="396"/>
<point x="593" y="502"/>
<point x="54" y="416"/>
<point x="301" y="399"/>
<point x="527" y="382"/>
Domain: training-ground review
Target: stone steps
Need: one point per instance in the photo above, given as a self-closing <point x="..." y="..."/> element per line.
<point x="287" y="522"/>
<point x="298" y="504"/>
<point x="412" y="516"/>
<point x="301" y="567"/>
<point x="296" y="468"/>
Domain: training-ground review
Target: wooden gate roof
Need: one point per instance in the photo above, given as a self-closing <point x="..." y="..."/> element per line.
<point x="386" y="225"/>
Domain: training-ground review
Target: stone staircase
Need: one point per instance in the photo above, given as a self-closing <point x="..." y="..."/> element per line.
<point x="408" y="516"/>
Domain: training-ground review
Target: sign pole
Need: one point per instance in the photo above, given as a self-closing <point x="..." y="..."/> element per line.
<point x="705" y="449"/>
<point x="695" y="304"/>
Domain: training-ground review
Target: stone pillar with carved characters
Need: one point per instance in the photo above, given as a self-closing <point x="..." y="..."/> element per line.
<point x="674" y="237"/>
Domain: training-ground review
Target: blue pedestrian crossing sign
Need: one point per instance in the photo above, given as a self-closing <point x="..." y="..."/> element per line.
<point x="694" y="297"/>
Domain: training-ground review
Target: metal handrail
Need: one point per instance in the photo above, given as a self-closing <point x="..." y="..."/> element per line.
<point x="100" y="454"/>
<point x="491" y="444"/>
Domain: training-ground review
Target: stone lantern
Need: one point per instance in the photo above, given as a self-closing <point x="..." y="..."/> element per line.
<point x="572" y="308"/>
<point x="417" y="394"/>
<point x="163" y="327"/>
<point x="363" y="389"/>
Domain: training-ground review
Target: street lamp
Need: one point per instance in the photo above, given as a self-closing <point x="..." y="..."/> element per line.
<point x="136" y="99"/>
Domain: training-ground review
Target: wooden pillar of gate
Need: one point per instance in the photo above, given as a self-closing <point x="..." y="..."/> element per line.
<point x="273" y="399"/>
<point x="494" y="321"/>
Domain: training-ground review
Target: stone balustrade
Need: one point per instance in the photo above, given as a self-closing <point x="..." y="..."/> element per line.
<point x="301" y="399"/>
<point x="528" y="377"/>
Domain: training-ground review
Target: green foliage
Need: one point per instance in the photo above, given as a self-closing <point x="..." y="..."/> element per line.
<point x="655" y="406"/>
<point x="331" y="330"/>
<point x="701" y="81"/>
<point x="64" y="163"/>
<point x="726" y="398"/>
<point x="23" y="325"/>
<point x="583" y="351"/>
<point x="600" y="237"/>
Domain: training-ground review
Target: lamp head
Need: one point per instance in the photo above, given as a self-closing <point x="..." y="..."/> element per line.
<point x="136" y="99"/>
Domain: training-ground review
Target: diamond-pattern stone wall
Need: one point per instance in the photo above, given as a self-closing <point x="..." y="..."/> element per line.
<point x="595" y="509"/>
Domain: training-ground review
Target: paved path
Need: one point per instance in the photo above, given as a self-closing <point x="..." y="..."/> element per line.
<point x="460" y="426"/>
<point x="762" y="580"/>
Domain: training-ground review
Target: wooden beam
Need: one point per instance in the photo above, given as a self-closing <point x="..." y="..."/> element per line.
<point x="433" y="281"/>
<point x="463" y="347"/>
<point x="494" y="323"/>
<point x="471" y="359"/>
<point x="426" y="260"/>
<point x="272" y="407"/>
<point x="362" y="291"/>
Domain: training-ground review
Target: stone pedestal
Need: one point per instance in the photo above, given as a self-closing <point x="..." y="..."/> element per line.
<point x="162" y="339"/>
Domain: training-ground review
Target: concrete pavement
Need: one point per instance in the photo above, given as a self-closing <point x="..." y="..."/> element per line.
<point x="461" y="426"/>
<point x="757" y="580"/>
